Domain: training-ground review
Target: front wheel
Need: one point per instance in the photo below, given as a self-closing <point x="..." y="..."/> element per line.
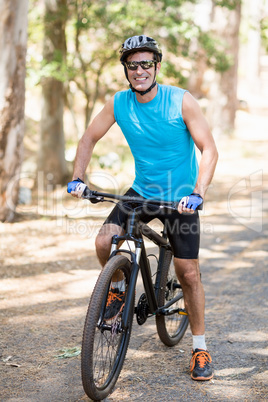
<point x="105" y="342"/>
<point x="170" y="328"/>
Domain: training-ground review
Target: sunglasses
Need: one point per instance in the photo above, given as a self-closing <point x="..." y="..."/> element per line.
<point x="145" y="64"/>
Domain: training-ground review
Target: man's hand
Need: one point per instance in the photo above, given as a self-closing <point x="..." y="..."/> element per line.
<point x="190" y="203"/>
<point x="76" y="188"/>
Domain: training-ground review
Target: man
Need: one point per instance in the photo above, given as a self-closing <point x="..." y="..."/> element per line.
<point x="161" y="124"/>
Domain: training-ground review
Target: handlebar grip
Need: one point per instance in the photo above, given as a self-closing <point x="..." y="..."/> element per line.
<point x="87" y="193"/>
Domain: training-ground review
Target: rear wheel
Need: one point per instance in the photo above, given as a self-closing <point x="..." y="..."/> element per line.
<point x="171" y="328"/>
<point x="105" y="342"/>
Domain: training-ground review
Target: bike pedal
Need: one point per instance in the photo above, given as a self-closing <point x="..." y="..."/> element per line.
<point x="176" y="286"/>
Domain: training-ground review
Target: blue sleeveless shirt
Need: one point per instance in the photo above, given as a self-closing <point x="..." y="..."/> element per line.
<point x="165" y="161"/>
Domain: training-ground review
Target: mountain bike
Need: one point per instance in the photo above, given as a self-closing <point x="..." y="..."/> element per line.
<point x="105" y="340"/>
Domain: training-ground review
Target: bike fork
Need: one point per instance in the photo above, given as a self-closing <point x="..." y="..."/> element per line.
<point x="135" y="257"/>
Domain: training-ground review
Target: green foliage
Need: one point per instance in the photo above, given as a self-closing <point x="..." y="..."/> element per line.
<point x="54" y="69"/>
<point x="230" y="4"/>
<point x="35" y="39"/>
<point x="42" y="63"/>
<point x="264" y="33"/>
<point x="215" y="51"/>
<point x="170" y="70"/>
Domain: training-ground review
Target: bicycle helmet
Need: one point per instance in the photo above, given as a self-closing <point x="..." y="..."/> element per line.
<point x="140" y="43"/>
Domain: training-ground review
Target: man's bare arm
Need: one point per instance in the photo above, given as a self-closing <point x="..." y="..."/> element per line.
<point x="95" y="131"/>
<point x="201" y="134"/>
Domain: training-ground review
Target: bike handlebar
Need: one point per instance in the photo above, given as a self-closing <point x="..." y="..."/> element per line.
<point x="97" y="196"/>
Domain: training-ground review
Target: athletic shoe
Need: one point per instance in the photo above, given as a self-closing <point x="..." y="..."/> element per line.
<point x="115" y="303"/>
<point x="199" y="366"/>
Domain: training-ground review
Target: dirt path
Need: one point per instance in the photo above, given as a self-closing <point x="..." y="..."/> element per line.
<point x="48" y="269"/>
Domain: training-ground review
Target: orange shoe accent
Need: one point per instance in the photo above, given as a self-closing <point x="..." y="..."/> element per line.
<point x="115" y="304"/>
<point x="112" y="297"/>
<point x="201" y="358"/>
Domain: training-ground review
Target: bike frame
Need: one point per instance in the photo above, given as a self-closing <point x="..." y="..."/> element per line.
<point x="140" y="262"/>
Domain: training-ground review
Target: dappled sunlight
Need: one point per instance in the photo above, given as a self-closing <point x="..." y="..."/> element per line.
<point x="55" y="317"/>
<point x="240" y="244"/>
<point x="42" y="242"/>
<point x="230" y="388"/>
<point x="19" y="292"/>
<point x="262" y="378"/>
<point x="239" y="264"/>
<point x="225" y="228"/>
<point x="256" y="254"/>
<point x="211" y="208"/>
<point x="233" y="372"/>
<point x="262" y="352"/>
<point x="249" y="123"/>
<point x="143" y="354"/>
<point x="207" y="253"/>
<point x="249" y="336"/>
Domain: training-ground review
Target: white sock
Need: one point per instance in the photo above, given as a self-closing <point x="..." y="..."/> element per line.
<point x="199" y="342"/>
<point x="119" y="285"/>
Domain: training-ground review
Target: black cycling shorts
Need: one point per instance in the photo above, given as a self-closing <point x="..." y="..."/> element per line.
<point x="183" y="230"/>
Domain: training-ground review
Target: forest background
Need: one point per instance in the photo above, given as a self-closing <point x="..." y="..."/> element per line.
<point x="60" y="63"/>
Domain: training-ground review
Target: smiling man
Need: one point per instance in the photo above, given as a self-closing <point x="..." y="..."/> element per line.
<point x="162" y="124"/>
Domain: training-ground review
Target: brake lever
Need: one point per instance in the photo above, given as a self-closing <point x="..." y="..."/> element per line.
<point x="89" y="195"/>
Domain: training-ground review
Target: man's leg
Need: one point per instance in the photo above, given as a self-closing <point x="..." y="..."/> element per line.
<point x="116" y="296"/>
<point x="114" y="225"/>
<point x="103" y="241"/>
<point x="188" y="274"/>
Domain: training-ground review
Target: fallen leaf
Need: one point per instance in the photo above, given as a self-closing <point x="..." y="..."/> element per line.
<point x="67" y="353"/>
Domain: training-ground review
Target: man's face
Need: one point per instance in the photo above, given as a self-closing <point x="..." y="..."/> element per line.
<point x="142" y="79"/>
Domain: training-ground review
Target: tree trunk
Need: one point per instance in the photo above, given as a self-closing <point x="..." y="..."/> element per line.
<point x="51" y="156"/>
<point x="223" y="89"/>
<point x="196" y="78"/>
<point x="13" y="42"/>
<point x="228" y="80"/>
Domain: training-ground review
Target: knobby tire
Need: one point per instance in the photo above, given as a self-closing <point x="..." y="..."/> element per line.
<point x="170" y="328"/>
<point x="103" y="350"/>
